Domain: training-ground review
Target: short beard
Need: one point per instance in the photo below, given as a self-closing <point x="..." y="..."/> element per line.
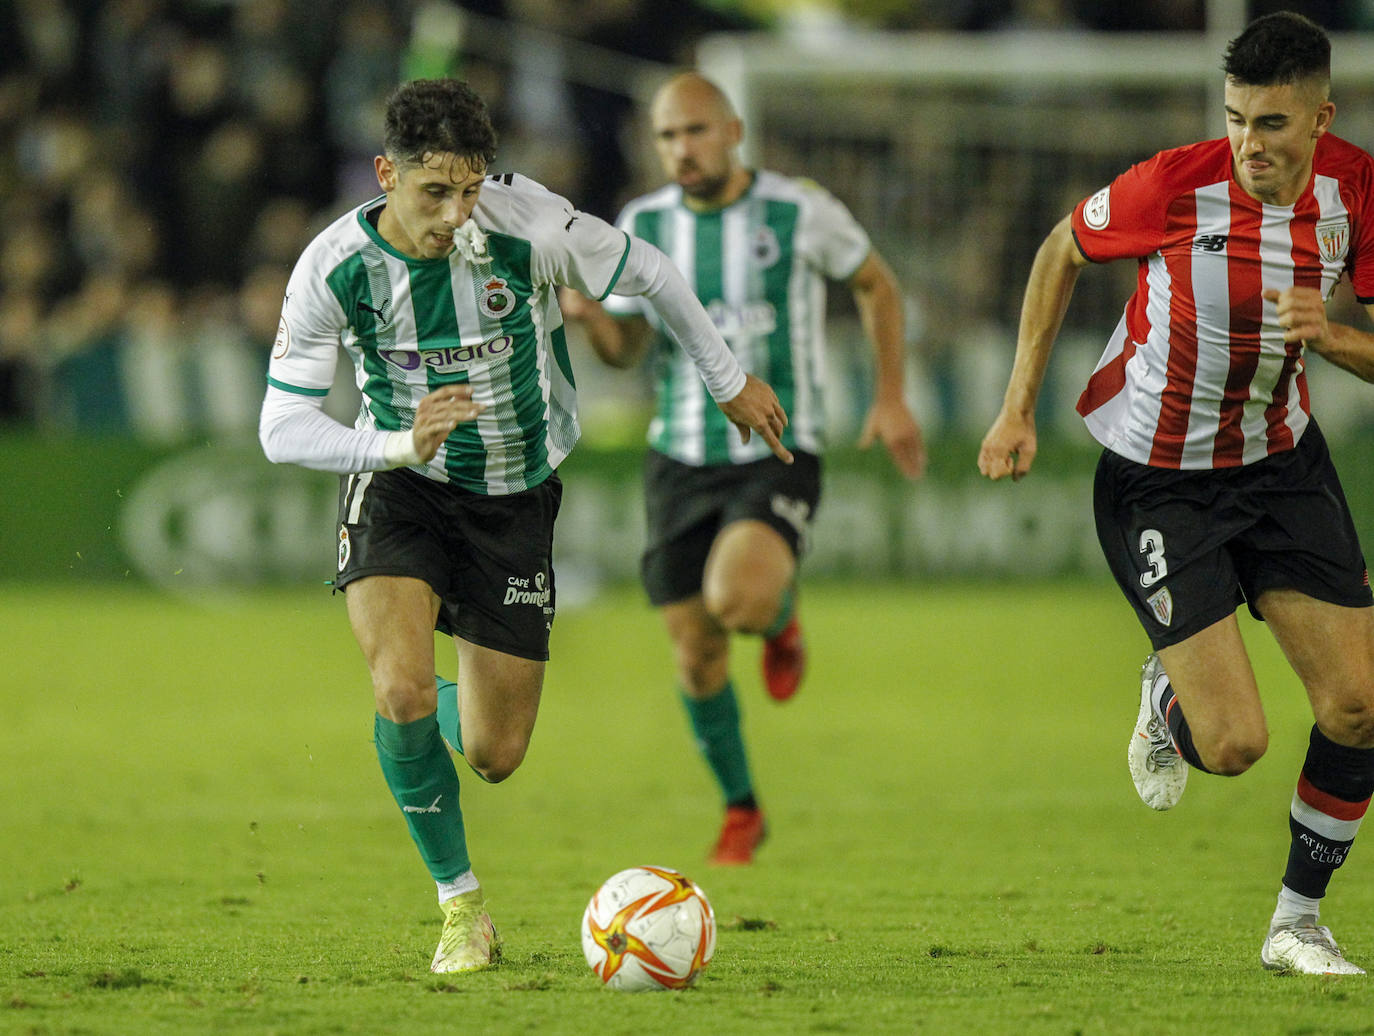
<point x="708" y="189"/>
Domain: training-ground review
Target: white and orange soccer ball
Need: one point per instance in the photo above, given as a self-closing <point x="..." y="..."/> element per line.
<point x="648" y="928"/>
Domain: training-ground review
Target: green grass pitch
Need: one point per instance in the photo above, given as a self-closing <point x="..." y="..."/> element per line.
<point x="196" y="838"/>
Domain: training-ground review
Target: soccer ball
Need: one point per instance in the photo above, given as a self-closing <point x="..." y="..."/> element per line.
<point x="648" y="928"/>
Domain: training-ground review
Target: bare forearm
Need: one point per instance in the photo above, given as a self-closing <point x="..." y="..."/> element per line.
<point x="880" y="313"/>
<point x="1048" y="291"/>
<point x="1348" y="348"/>
<point x="619" y="342"/>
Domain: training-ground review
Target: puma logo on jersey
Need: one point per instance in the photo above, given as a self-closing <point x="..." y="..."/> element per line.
<point x="378" y="313"/>
<point x="1210" y="242"/>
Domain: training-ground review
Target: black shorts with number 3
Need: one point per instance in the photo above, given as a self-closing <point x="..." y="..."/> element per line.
<point x="488" y="558"/>
<point x="1188" y="547"/>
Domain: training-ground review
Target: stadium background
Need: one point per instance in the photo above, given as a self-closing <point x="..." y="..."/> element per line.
<point x="162" y="164"/>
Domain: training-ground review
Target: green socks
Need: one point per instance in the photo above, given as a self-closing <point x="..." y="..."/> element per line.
<point x="785" y="610"/>
<point x="422" y="779"/>
<point x="716" y="724"/>
<point x="448" y="713"/>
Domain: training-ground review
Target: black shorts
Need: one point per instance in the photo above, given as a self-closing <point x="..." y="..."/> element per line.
<point x="686" y="505"/>
<point x="488" y="558"/>
<point x="1187" y="547"/>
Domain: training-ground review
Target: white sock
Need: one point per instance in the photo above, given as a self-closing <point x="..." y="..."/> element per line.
<point x="1292" y="907"/>
<point x="465" y="882"/>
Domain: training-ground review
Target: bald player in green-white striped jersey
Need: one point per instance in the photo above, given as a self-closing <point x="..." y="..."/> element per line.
<point x="442" y="293"/>
<point x="726" y="522"/>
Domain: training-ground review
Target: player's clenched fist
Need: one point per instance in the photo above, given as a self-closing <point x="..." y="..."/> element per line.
<point x="1008" y="448"/>
<point x="1301" y="313"/>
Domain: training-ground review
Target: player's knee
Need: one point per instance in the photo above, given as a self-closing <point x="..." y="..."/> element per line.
<point x="1235" y="754"/>
<point x="1351" y="724"/>
<point x="701" y="675"/>
<point x="404" y="701"/>
<point x="495" y="762"/>
<point x="739" y="610"/>
<point x="702" y="662"/>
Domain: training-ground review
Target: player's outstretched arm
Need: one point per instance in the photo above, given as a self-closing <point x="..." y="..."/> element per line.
<point x="756" y="408"/>
<point x="878" y="298"/>
<point x="1009" y="446"/>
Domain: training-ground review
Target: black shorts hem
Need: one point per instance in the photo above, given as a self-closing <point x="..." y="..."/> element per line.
<point x="343" y="580"/>
<point x="1172" y="635"/>
<point x="492" y="644"/>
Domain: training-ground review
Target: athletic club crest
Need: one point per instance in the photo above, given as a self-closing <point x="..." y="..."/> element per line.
<point x="1333" y="238"/>
<point x="496" y="300"/>
<point x="1161" y="602"/>
<point x="345" y="547"/>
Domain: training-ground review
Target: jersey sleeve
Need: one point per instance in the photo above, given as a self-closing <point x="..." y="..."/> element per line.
<point x="308" y="337"/>
<point x="1361" y="265"/>
<point x="572" y="248"/>
<point x="1126" y="218"/>
<point x="831" y="234"/>
<point x="620" y="305"/>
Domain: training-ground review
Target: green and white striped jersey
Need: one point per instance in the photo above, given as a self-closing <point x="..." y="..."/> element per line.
<point x="759" y="266"/>
<point x="486" y="314"/>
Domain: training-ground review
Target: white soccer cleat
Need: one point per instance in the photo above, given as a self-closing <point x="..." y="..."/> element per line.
<point x="1158" y="771"/>
<point x="1305" y="948"/>
<point x="469" y="941"/>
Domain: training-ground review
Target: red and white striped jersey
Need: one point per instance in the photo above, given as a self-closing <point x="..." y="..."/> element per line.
<point x="1197" y="374"/>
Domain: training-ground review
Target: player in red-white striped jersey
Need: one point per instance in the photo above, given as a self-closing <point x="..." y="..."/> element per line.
<point x="1215" y="486"/>
<point x="1197" y="374"/>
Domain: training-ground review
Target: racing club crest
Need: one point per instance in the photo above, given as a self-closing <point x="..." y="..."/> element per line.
<point x="764" y="247"/>
<point x="1333" y="238"/>
<point x="496" y="300"/>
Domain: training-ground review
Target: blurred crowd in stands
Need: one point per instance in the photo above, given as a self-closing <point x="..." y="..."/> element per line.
<point x="163" y="163"/>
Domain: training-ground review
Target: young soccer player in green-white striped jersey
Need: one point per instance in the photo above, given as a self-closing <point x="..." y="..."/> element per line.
<point x="442" y="293"/>
<point x="727" y="522"/>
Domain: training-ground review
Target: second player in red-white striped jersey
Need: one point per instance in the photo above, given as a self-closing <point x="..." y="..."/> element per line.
<point x="1197" y="374"/>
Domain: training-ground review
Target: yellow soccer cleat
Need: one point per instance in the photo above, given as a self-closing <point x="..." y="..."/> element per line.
<point x="469" y="941"/>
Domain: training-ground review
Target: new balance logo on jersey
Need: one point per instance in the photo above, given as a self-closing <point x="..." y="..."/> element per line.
<point x="433" y="807"/>
<point x="1210" y="242"/>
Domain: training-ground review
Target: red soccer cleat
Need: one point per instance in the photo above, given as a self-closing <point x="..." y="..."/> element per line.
<point x="784" y="661"/>
<point x="742" y="833"/>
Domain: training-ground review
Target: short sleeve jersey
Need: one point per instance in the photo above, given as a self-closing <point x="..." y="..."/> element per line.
<point x="759" y="266"/>
<point x="1197" y="374"/>
<point x="489" y="319"/>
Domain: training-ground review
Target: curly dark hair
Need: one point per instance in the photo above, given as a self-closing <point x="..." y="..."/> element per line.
<point x="1277" y="49"/>
<point x="427" y="117"/>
